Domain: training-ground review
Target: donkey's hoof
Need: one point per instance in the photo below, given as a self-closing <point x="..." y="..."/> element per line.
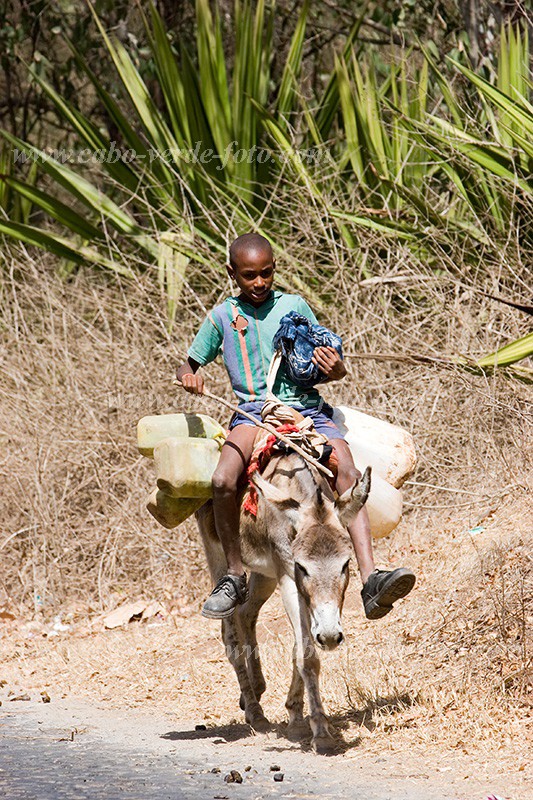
<point x="325" y="745"/>
<point x="299" y="729"/>
<point x="260" y="724"/>
<point x="257" y="720"/>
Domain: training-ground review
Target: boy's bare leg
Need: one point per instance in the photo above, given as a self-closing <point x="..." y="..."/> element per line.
<point x="234" y="458"/>
<point x="359" y="529"/>
<point x="231" y="588"/>
<point x="381" y="588"/>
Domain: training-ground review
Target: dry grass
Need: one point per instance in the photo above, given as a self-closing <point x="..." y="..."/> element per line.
<point x="82" y="363"/>
<point x="83" y="360"/>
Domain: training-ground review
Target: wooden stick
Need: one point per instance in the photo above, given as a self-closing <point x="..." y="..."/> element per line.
<point x="410" y="358"/>
<point x="297" y="449"/>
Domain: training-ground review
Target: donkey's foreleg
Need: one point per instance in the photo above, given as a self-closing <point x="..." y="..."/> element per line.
<point x="236" y="651"/>
<point x="260" y="589"/>
<point x="298" y="727"/>
<point x="307" y="664"/>
<point x="232" y="634"/>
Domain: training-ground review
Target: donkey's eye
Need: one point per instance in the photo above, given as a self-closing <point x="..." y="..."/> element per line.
<point x="302" y="569"/>
<point x="346" y="567"/>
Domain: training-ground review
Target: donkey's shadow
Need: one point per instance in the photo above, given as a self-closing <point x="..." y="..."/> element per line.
<point x="362" y="717"/>
<point x="220" y="733"/>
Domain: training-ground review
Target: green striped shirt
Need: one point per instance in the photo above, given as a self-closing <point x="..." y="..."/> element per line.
<point x="243" y="334"/>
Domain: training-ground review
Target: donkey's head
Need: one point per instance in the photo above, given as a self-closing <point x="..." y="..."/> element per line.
<point x="315" y="527"/>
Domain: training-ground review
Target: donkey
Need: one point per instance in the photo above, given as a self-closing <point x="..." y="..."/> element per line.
<point x="297" y="540"/>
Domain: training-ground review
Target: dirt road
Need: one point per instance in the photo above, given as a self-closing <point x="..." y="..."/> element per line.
<point x="72" y="750"/>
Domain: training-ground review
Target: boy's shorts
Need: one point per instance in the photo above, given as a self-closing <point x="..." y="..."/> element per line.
<point x="322" y="418"/>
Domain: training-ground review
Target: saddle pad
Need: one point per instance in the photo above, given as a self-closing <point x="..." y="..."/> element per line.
<point x="263" y="452"/>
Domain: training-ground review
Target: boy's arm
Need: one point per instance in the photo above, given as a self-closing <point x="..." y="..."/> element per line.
<point x="330" y="363"/>
<point x="187" y="375"/>
<point x="204" y="349"/>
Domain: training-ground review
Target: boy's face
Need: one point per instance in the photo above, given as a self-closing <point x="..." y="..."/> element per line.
<point x="254" y="275"/>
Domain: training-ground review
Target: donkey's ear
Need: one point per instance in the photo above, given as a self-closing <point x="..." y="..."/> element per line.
<point x="324" y="503"/>
<point x="351" y="502"/>
<point x="274" y="495"/>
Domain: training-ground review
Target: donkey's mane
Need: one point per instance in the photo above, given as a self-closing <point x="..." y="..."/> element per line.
<point x="290" y="471"/>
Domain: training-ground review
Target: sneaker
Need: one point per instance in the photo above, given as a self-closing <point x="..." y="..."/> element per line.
<point x="383" y="588"/>
<point x="229" y="592"/>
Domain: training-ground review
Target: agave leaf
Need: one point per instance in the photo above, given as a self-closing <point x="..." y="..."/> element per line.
<point x="89" y="132"/>
<point x="60" y="246"/>
<point x="513" y="62"/>
<point x="399" y="134"/>
<point x="472" y="181"/>
<point x="245" y="80"/>
<point x="467" y="211"/>
<point x="377" y="136"/>
<point x="251" y="79"/>
<point x="172" y="267"/>
<point x="212" y="72"/>
<point x="158" y="133"/>
<point x="329" y="103"/>
<point x="87" y="193"/>
<point x="54" y="208"/>
<point x="128" y="175"/>
<point x="504" y="83"/>
<point x="146" y="170"/>
<point x="188" y="120"/>
<point x="26" y="201"/>
<point x="489" y="156"/>
<point x="445" y="87"/>
<point x="262" y="41"/>
<point x="363" y="113"/>
<point x="442" y="224"/>
<point x="156" y="128"/>
<point x="6" y="166"/>
<point x="517" y="139"/>
<point x="169" y="76"/>
<point x="196" y="112"/>
<point x="423" y="90"/>
<point x="385" y="226"/>
<point x="313" y="134"/>
<point x="510" y="353"/>
<point x="287" y="149"/>
<point x="515" y="109"/>
<point x="349" y="118"/>
<point x="291" y="70"/>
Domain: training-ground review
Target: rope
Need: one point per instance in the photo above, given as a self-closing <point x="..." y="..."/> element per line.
<point x="297" y="449"/>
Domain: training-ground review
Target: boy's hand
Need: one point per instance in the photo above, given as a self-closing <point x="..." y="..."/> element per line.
<point x="329" y="362"/>
<point x="192" y="383"/>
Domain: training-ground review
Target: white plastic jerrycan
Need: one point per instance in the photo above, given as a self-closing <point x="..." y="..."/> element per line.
<point x="185" y="466"/>
<point x="172" y="511"/>
<point x="384" y="506"/>
<point x="388" y="449"/>
<point x="153" y="429"/>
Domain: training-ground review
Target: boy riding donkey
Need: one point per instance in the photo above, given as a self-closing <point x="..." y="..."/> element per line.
<point x="242" y="328"/>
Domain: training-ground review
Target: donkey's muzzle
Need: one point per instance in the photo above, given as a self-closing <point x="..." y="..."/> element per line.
<point x="330" y="642"/>
<point x="326" y="625"/>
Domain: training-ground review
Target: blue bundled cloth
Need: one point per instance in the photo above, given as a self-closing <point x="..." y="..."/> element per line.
<point x="297" y="338"/>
